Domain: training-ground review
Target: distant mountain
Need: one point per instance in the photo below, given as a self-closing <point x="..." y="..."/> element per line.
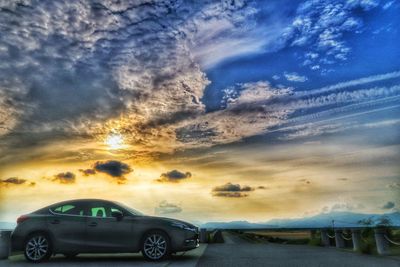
<point x="237" y="225"/>
<point x="7" y="225"/>
<point x="339" y="219"/>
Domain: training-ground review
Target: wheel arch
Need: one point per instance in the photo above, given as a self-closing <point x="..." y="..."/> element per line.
<point x="41" y="231"/>
<point x="154" y="230"/>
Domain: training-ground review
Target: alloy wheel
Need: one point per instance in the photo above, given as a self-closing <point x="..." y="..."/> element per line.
<point x="155" y="246"/>
<point x="37" y="248"/>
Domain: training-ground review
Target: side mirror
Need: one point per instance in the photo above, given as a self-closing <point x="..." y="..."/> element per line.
<point x="117" y="214"/>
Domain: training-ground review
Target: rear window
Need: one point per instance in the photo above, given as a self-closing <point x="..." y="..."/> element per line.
<point x="69" y="209"/>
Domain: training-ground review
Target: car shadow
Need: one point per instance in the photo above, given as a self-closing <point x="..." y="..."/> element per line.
<point x="97" y="259"/>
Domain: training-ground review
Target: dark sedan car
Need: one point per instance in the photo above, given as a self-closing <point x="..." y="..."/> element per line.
<point x="99" y="226"/>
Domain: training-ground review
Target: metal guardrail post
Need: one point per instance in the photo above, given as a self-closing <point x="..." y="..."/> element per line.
<point x="382" y="245"/>
<point x="203" y="235"/>
<point x="356" y="237"/>
<point x="313" y="234"/>
<point x="325" y="238"/>
<point x="339" y="239"/>
<point x="5" y="243"/>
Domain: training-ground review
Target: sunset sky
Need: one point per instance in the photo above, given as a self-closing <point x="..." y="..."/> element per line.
<point x="201" y="110"/>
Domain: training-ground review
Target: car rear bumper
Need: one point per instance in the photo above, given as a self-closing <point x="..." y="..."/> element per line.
<point x="17" y="242"/>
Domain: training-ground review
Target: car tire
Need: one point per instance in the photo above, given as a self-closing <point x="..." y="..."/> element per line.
<point x="38" y="248"/>
<point x="70" y="255"/>
<point x="156" y="246"/>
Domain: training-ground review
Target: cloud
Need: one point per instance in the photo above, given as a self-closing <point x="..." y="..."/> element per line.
<point x="87" y="172"/>
<point x="306" y="181"/>
<point x="13" y="180"/>
<point x="92" y="72"/>
<point x="113" y="168"/>
<point x="165" y="207"/>
<point x="388" y="4"/>
<point x="394" y="186"/>
<point x="65" y="178"/>
<point x="320" y="25"/>
<point x="174" y="176"/>
<point x="232" y="190"/>
<point x="351" y="83"/>
<point x="388" y="205"/>
<point x="294" y="77"/>
<point x="344" y="206"/>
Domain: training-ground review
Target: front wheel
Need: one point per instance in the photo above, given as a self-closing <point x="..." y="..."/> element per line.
<point x="156" y="246"/>
<point x="37" y="248"/>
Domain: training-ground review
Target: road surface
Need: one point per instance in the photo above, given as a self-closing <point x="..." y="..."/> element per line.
<point x="234" y="252"/>
<point x="238" y="252"/>
<point x="185" y="259"/>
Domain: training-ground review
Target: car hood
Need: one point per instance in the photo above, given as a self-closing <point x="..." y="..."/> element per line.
<point x="169" y="220"/>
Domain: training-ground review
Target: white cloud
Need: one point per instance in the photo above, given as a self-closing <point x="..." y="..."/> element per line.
<point x="320" y="26"/>
<point x="356" y="82"/>
<point x="388" y="4"/>
<point x="165" y="207"/>
<point x="294" y="77"/>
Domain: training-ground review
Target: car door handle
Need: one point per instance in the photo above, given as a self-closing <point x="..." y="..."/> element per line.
<point x="93" y="224"/>
<point x="55" y="222"/>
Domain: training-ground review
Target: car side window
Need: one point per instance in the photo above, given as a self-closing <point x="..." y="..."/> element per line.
<point x="102" y="210"/>
<point x="98" y="211"/>
<point x="69" y="209"/>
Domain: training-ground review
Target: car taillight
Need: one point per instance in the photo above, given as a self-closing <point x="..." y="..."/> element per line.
<point x="22" y="218"/>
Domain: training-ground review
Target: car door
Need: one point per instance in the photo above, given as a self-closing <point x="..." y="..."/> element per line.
<point x="67" y="225"/>
<point x="104" y="232"/>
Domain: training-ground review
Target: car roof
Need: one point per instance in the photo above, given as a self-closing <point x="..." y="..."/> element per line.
<point x="84" y="200"/>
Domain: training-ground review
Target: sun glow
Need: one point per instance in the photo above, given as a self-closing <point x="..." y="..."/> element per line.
<point x="114" y="141"/>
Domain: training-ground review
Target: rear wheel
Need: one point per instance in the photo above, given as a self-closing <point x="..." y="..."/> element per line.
<point x="37" y="248"/>
<point x="156" y="246"/>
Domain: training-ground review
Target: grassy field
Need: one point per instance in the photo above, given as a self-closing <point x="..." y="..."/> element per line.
<point x="289" y="235"/>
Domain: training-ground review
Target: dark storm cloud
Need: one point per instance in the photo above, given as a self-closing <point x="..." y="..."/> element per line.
<point x="113" y="168"/>
<point x="231" y="190"/>
<point x="229" y="194"/>
<point x="174" y="176"/>
<point x="13" y="180"/>
<point x="165" y="207"/>
<point x="87" y="172"/>
<point x="64" y="178"/>
<point x="388" y="205"/>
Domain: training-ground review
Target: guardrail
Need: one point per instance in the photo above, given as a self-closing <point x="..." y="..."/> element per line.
<point x="339" y="239"/>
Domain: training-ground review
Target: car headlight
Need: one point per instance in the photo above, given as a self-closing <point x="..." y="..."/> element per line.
<point x="183" y="226"/>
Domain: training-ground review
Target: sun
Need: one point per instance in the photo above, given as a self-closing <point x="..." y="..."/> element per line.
<point x="114" y="141"/>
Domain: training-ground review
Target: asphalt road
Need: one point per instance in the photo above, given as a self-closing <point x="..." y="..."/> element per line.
<point x="234" y="252"/>
<point x="237" y="252"/>
<point x="186" y="259"/>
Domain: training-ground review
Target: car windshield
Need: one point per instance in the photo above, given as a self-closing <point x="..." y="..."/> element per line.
<point x="131" y="210"/>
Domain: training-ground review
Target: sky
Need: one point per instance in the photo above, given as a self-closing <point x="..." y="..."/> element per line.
<point x="201" y="110"/>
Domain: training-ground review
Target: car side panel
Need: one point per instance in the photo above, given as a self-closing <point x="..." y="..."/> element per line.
<point x="109" y="235"/>
<point x="68" y="232"/>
